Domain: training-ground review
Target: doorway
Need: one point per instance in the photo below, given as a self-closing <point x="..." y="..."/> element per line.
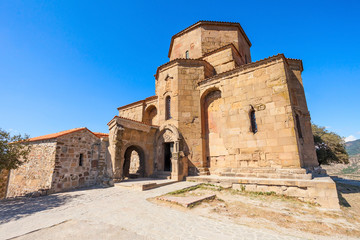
<point x="134" y="162"/>
<point x="168" y="149"/>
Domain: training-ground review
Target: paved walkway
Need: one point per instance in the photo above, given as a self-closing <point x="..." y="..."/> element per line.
<point x="114" y="213"/>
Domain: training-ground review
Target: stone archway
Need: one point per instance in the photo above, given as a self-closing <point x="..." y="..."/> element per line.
<point x="211" y="127"/>
<point x="168" y="146"/>
<point x="151" y="115"/>
<point x="134" y="162"/>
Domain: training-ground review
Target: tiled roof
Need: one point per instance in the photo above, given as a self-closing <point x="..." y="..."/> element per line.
<point x="230" y="45"/>
<point x="62" y="133"/>
<point x="140" y="101"/>
<point x="133" y="121"/>
<point x="249" y="65"/>
<point x="202" y="22"/>
<point x="100" y="135"/>
<point x="179" y="60"/>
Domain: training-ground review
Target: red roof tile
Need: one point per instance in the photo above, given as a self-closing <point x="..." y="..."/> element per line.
<point x="99" y="135"/>
<point x="133" y="121"/>
<point x="62" y="133"/>
<point x="137" y="102"/>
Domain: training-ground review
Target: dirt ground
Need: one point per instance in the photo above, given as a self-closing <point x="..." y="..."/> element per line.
<point x="280" y="213"/>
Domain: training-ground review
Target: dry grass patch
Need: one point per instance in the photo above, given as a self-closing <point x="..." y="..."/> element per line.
<point x="277" y="212"/>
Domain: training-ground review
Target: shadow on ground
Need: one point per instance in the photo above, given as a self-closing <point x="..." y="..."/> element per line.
<point x="18" y="208"/>
<point x="346" y="186"/>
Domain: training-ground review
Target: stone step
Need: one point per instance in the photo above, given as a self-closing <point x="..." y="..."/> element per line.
<point x="307" y="176"/>
<point x="143" y="184"/>
<point x="162" y="174"/>
<point x="156" y="185"/>
<point x="270" y="170"/>
<point x="204" y="171"/>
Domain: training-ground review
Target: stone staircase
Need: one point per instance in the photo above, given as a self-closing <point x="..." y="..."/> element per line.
<point x="281" y="173"/>
<point x="204" y="171"/>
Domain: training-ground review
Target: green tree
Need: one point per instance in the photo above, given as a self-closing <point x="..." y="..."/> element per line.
<point x="330" y="147"/>
<point x="13" y="150"/>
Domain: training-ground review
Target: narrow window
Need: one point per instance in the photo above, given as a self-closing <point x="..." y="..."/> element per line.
<point x="187" y="54"/>
<point x="245" y="59"/>
<point x="81" y="157"/>
<point x="253" y="121"/>
<point x="298" y="126"/>
<point x="168" y="108"/>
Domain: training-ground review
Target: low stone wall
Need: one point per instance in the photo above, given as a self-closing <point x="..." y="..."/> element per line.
<point x="4" y="174"/>
<point x="320" y="190"/>
<point x="275" y="173"/>
<point x="35" y="174"/>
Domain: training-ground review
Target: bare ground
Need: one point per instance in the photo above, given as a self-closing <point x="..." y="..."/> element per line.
<point x="283" y="214"/>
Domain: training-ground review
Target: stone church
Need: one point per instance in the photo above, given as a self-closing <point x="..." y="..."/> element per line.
<point x="215" y="112"/>
<point x="216" y="117"/>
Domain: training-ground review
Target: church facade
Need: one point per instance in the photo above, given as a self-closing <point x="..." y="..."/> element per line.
<point x="217" y="117"/>
<point x="215" y="112"/>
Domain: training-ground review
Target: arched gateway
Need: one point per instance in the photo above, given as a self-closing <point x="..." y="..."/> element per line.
<point x="168" y="155"/>
<point x="140" y="150"/>
<point x="134" y="162"/>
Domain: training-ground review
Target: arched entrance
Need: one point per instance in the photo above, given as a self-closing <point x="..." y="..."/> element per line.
<point x="165" y="150"/>
<point x="211" y="127"/>
<point x="134" y="162"/>
<point x="167" y="159"/>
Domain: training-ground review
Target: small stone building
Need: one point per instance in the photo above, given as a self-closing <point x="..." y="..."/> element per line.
<point x="62" y="161"/>
<point x="215" y="112"/>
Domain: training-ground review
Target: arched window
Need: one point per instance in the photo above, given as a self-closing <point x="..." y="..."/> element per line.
<point x="167" y="108"/>
<point x="187" y="54"/>
<point x="150" y="115"/>
<point x="298" y="126"/>
<point x="253" y="121"/>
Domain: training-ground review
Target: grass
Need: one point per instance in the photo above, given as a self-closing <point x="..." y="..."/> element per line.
<point x="350" y="170"/>
<point x="184" y="190"/>
<point x="289" y="212"/>
<point x="205" y="186"/>
<point x="260" y="195"/>
<point x="212" y="187"/>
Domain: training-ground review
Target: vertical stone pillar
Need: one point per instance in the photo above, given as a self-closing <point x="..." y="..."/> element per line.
<point x="175" y="173"/>
<point x="115" y="140"/>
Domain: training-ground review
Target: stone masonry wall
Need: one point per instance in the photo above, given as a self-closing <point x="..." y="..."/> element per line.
<point x="68" y="173"/>
<point x="191" y="42"/>
<point x="189" y="116"/>
<point x="4" y="174"/>
<point x="104" y="166"/>
<point x="134" y="112"/>
<point x="167" y="87"/>
<point x="298" y="100"/>
<point x="214" y="37"/>
<point x="185" y="103"/>
<point x="263" y="88"/>
<point x="36" y="173"/>
<point x="224" y="60"/>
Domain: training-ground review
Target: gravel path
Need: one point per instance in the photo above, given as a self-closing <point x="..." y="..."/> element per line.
<point x="115" y="213"/>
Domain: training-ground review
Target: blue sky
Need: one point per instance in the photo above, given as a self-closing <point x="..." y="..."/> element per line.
<point x="67" y="64"/>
